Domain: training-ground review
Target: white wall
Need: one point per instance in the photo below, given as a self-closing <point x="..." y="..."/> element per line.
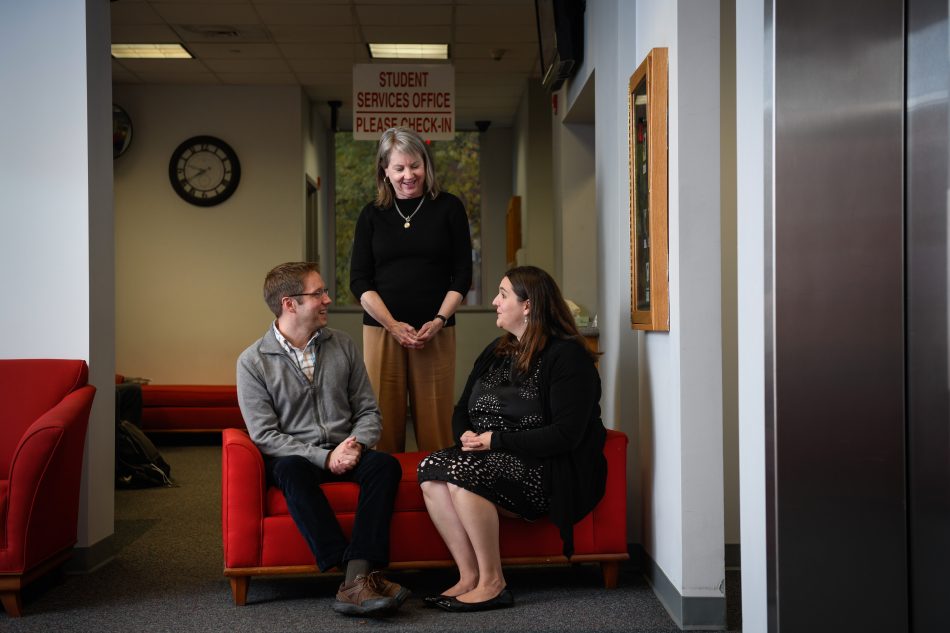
<point x="188" y="279"/>
<point x="56" y="222"/>
<point x="677" y="419"/>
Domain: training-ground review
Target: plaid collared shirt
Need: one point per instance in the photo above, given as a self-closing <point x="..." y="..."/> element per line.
<point x="305" y="358"/>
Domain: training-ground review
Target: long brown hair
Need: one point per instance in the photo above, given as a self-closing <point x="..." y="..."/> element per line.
<point x="549" y="316"/>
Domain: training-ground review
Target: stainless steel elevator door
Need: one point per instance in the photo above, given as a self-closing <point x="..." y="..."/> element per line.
<point x="928" y="321"/>
<point x="839" y="457"/>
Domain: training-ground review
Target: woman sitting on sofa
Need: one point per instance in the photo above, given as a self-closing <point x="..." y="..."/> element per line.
<point x="529" y="440"/>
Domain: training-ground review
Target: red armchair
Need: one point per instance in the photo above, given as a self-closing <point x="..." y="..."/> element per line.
<point x="44" y="411"/>
<point x="260" y="538"/>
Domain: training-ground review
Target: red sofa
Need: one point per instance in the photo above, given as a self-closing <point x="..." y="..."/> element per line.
<point x="44" y="411"/>
<point x="260" y="538"/>
<point x="190" y="408"/>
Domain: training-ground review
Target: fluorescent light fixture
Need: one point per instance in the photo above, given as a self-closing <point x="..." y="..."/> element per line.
<point x="150" y="51"/>
<point x="409" y="51"/>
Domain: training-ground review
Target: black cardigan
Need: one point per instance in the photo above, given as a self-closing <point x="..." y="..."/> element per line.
<point x="570" y="444"/>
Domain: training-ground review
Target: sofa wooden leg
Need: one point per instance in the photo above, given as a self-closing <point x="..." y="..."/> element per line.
<point x="12" y="603"/>
<point x="611" y="570"/>
<point x="239" y="586"/>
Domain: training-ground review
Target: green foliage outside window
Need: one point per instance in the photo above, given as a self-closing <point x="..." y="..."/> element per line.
<point x="456" y="167"/>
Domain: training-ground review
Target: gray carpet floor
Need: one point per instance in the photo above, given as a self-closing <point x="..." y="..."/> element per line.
<point x="167" y="576"/>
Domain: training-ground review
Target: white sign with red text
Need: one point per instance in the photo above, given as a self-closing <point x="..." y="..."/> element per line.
<point x="417" y="96"/>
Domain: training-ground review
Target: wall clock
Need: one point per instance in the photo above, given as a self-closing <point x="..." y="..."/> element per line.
<point x="204" y="171"/>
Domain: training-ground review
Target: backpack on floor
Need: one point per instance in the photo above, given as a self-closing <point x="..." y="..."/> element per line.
<point x="138" y="464"/>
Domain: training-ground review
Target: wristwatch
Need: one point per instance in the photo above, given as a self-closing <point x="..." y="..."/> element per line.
<point x="442" y="318"/>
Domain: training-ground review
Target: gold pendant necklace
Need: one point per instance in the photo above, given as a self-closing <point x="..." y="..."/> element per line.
<point x="407" y="219"/>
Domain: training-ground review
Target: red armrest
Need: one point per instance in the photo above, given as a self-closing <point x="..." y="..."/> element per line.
<point x="242" y="499"/>
<point x="42" y="505"/>
<point x="610" y="515"/>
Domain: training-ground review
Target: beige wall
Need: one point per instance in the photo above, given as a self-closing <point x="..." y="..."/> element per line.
<point x="188" y="279"/>
<point x="533" y="177"/>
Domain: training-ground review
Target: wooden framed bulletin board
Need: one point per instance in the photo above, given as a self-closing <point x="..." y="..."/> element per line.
<point x="649" y="234"/>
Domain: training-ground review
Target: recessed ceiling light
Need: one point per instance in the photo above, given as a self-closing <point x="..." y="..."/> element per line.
<point x="150" y="51"/>
<point x="409" y="51"/>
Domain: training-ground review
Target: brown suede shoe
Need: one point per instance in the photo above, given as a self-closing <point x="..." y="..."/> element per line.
<point x="388" y="588"/>
<point x="363" y="597"/>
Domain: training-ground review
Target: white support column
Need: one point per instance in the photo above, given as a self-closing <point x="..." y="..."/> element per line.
<point x="56" y="240"/>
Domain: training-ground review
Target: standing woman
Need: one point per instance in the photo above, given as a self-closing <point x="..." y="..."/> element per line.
<point x="530" y="440"/>
<point x="410" y="269"/>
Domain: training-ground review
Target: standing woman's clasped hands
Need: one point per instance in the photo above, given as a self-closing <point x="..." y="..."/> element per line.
<point x="406" y="335"/>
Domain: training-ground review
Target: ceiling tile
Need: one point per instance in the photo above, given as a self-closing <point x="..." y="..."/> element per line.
<point x="388" y="3"/>
<point x="522" y="15"/>
<point x="235" y="50"/>
<point x="321" y="66"/>
<point x="496" y="34"/>
<point x="314" y="43"/>
<point x="206" y="13"/>
<point x="180" y="66"/>
<point x="504" y="65"/>
<point x="488" y="79"/>
<point x="258" y="79"/>
<point x="318" y="14"/>
<point x="143" y="34"/>
<point x="251" y="66"/>
<point x="161" y="77"/>
<point x="496" y="2"/>
<point x="133" y="13"/>
<point x="335" y="79"/>
<point x="520" y="50"/>
<point x="404" y="14"/>
<point x="307" y="33"/>
<point x="317" y="50"/>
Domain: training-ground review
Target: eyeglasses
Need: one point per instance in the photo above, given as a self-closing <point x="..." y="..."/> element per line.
<point x="316" y="294"/>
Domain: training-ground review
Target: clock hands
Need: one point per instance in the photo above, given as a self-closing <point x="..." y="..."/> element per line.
<point x="200" y="171"/>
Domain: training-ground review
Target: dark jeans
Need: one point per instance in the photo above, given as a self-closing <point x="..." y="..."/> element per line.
<point x="378" y="476"/>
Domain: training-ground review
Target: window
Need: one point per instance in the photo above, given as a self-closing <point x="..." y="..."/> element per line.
<point x="457" y="168"/>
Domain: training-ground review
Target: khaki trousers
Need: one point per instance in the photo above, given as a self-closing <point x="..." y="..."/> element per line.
<point x="426" y="376"/>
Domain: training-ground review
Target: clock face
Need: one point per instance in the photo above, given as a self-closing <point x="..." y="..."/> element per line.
<point x="204" y="171"/>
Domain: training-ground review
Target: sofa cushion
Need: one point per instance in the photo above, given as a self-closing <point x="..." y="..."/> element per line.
<point x="343" y="496"/>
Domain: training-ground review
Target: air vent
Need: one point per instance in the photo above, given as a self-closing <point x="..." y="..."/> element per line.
<point x="221" y="33"/>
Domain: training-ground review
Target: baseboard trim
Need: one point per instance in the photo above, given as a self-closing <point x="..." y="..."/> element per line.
<point x="688" y="613"/>
<point x="88" y="559"/>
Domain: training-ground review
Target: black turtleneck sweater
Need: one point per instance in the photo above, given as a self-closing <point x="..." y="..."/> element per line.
<point x="412" y="269"/>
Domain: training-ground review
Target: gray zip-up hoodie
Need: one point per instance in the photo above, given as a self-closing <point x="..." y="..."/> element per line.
<point x="286" y="414"/>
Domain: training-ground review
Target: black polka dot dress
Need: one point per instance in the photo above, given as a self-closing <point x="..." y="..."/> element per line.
<point x="513" y="482"/>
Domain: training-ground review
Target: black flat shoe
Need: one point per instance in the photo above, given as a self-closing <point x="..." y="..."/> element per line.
<point x="501" y="601"/>
<point x="433" y="601"/>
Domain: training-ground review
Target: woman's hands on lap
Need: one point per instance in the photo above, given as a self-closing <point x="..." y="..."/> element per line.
<point x="472" y="441"/>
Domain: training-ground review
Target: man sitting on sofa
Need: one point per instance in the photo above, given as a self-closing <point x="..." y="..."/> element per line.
<point x="310" y="409"/>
